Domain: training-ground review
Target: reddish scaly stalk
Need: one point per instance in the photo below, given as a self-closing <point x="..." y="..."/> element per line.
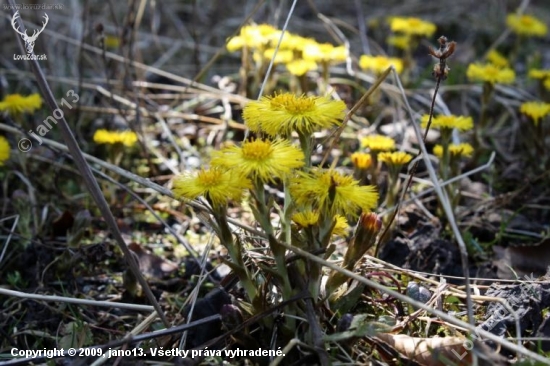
<point x="440" y="71"/>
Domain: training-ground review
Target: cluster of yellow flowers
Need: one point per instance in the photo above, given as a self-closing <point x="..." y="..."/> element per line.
<point x="380" y="147"/>
<point x="407" y="29"/>
<point x="379" y="64"/>
<point x="234" y="168"/>
<point x="297" y="53"/>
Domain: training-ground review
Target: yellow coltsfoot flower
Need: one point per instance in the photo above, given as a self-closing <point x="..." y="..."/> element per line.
<point x="535" y="110"/>
<point x="16" y="103"/>
<point x="490" y="73"/>
<point x="379" y="64"/>
<point x="412" y="26"/>
<point x="526" y="25"/>
<point x="127" y="138"/>
<point x="396" y="158"/>
<point x="497" y="59"/>
<point x="464" y="149"/>
<point x="461" y="123"/>
<point x="300" y="67"/>
<point x="332" y="192"/>
<point x="361" y="160"/>
<point x="262" y="160"/>
<point x="283" y="113"/>
<point x="377" y="143"/>
<point x="215" y="184"/>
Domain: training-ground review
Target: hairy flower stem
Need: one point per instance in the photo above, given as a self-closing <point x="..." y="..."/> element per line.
<point x="262" y="216"/>
<point x="305" y="144"/>
<point x="235" y="252"/>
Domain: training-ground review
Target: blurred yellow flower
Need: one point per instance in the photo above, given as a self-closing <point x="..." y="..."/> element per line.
<point x="461" y="123"/>
<point x="412" y="26"/>
<point x="539" y="74"/>
<point x="379" y="64"/>
<point x="395" y="158"/>
<point x="306" y="219"/>
<point x="16" y="103"/>
<point x="463" y="149"/>
<point x="526" y="25"/>
<point x="310" y="218"/>
<point x="324" y="53"/>
<point x="252" y="36"/>
<point x="127" y="138"/>
<point x="332" y="193"/>
<point x="260" y="159"/>
<point x="490" y="73"/>
<point x="283" y="113"/>
<point x="497" y="59"/>
<point x="282" y="56"/>
<point x="341" y="227"/>
<point x="300" y="67"/>
<point x="377" y="143"/>
<point x="547" y="83"/>
<point x="402" y="41"/>
<point x="216" y="185"/>
<point x="361" y="160"/>
<point x="4" y="150"/>
<point x="535" y="110"/>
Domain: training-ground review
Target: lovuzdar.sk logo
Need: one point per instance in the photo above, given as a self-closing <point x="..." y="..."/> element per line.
<point x="29" y="40"/>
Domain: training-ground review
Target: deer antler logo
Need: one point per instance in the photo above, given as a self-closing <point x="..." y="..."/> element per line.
<point x="29" y="41"/>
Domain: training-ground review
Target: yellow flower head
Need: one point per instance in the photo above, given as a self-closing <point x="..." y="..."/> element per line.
<point x="127" y="138"/>
<point x="412" y="26"/>
<point x="332" y="193"/>
<point x="497" y="59"/>
<point x="290" y="41"/>
<point x="252" y="36"/>
<point x="261" y="159"/>
<point x="396" y="158"/>
<point x="539" y="74"/>
<point x="526" y="25"/>
<point x="306" y="219"/>
<point x="283" y="113"/>
<point x="377" y="143"/>
<point x="463" y="149"/>
<point x="341" y="227"/>
<point x="401" y="41"/>
<point x="300" y="67"/>
<point x="310" y="218"/>
<point x="461" y="123"/>
<point x="281" y="57"/>
<point x="16" y="103"/>
<point x="535" y="110"/>
<point x="4" y="150"/>
<point x="216" y="185"/>
<point x="361" y="160"/>
<point x="547" y="84"/>
<point x="324" y="52"/>
<point x="379" y="64"/>
<point x="490" y="73"/>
